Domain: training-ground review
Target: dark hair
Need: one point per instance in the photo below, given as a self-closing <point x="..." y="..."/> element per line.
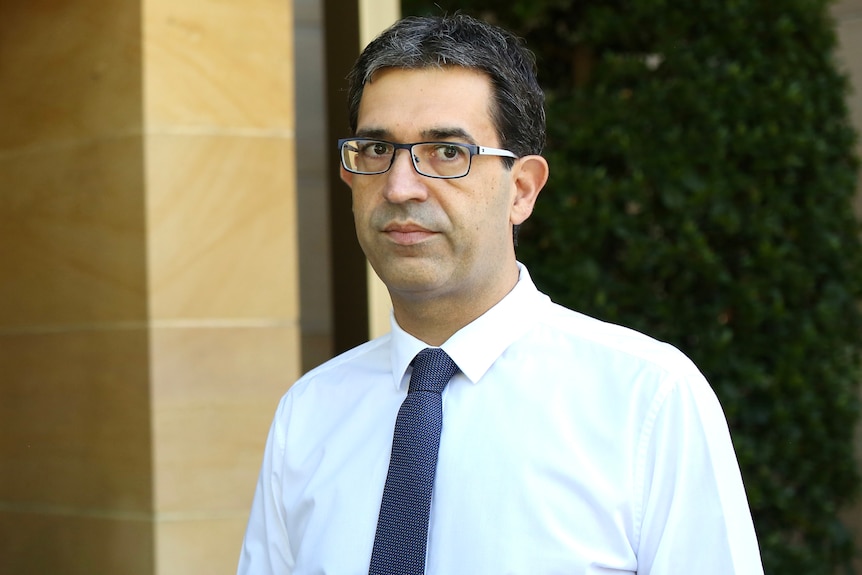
<point x="460" y="40"/>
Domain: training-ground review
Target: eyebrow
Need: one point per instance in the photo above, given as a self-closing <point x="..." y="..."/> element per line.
<point x="447" y="134"/>
<point x="431" y="134"/>
<point x="373" y="133"/>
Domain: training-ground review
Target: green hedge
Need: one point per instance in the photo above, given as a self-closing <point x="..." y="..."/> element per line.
<point x="701" y="191"/>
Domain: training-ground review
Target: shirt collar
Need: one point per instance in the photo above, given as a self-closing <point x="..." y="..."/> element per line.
<point x="476" y="346"/>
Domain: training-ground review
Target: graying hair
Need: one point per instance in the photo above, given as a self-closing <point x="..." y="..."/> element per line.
<point x="460" y="40"/>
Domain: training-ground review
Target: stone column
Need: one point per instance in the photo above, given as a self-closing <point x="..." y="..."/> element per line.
<point x="848" y="19"/>
<point x="148" y="289"/>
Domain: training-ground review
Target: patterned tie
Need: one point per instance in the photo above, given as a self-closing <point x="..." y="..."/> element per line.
<point x="402" y="527"/>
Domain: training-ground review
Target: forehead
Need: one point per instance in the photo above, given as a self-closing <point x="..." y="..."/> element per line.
<point x="405" y="104"/>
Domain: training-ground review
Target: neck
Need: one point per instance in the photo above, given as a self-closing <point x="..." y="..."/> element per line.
<point x="434" y="320"/>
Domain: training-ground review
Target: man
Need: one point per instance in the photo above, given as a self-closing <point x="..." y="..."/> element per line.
<point x="568" y="445"/>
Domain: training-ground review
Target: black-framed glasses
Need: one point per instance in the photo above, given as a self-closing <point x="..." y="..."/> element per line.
<point x="433" y="159"/>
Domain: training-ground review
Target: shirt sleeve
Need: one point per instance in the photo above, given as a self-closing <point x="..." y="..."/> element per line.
<point x="694" y="512"/>
<point x="266" y="547"/>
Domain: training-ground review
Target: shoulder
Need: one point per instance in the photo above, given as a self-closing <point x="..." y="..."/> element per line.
<point x="369" y="357"/>
<point x="332" y="389"/>
<point x="569" y="334"/>
<point x="611" y="342"/>
<point x="627" y="376"/>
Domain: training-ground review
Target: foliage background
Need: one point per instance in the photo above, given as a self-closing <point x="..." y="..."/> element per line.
<point x="702" y="174"/>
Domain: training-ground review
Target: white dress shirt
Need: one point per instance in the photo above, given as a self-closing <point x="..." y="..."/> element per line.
<point x="569" y="446"/>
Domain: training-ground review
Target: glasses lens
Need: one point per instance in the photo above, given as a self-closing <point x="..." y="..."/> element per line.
<point x="441" y="159"/>
<point x="366" y="156"/>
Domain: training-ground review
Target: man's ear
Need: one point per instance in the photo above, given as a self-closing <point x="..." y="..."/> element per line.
<point x="530" y="174"/>
<point x="346" y="177"/>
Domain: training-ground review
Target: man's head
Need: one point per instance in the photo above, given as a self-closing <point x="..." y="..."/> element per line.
<point x="434" y="104"/>
<point x="462" y="41"/>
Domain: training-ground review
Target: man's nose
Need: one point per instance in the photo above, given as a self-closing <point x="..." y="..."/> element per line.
<point x="403" y="182"/>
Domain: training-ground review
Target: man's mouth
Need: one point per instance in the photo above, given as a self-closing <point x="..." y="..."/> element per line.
<point x="407" y="234"/>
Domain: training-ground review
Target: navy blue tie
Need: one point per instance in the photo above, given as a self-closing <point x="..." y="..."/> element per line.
<point x="402" y="527"/>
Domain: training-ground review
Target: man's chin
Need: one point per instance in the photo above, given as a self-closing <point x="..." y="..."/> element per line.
<point x="413" y="277"/>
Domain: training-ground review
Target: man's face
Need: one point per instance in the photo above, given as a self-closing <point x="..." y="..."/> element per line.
<point x="434" y="238"/>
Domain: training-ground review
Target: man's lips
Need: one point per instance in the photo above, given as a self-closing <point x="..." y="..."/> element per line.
<point x="407" y="234"/>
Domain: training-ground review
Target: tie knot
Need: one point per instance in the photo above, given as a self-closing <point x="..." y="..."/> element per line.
<point x="432" y="370"/>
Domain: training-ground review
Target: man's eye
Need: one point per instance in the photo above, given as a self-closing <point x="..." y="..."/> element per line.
<point x="372" y="149"/>
<point x="451" y="152"/>
<point x="443" y="152"/>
